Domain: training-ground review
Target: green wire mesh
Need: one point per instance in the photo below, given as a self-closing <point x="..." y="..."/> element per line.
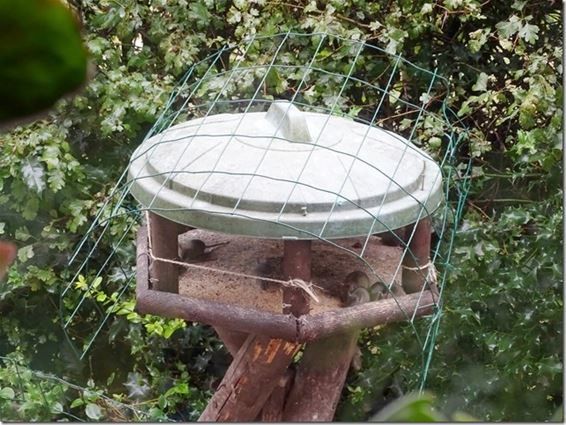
<point x="51" y="396"/>
<point x="316" y="72"/>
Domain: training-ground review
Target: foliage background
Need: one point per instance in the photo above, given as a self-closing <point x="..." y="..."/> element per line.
<point x="499" y="351"/>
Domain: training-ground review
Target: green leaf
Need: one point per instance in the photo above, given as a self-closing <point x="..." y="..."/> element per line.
<point x="33" y="174"/>
<point x="481" y="83"/>
<point x="96" y="283"/>
<point x="25" y="253"/>
<point x="508" y="28"/>
<point x="410" y="408"/>
<point x="529" y="33"/>
<point x="77" y="402"/>
<point x="93" y="411"/>
<point x="558" y="416"/>
<point x="7" y="393"/>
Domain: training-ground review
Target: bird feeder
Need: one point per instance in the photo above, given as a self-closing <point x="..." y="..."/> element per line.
<point x="309" y="194"/>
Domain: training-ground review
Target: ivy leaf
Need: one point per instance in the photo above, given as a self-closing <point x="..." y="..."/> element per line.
<point x="34" y="175"/>
<point x="529" y="33"/>
<point x="478" y="39"/>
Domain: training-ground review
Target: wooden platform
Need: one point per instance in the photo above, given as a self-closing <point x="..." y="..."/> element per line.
<point x="330" y="265"/>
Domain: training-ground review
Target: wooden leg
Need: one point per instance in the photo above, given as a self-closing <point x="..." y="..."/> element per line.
<point x="233" y="340"/>
<point x="273" y="408"/>
<point x="416" y="260"/>
<point x="262" y="362"/>
<point x="320" y="378"/>
<point x="164" y="232"/>
<point x="250" y="379"/>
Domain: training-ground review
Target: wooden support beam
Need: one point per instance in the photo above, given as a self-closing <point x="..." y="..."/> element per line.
<point x="164" y="232"/>
<point x="273" y="408"/>
<point x="296" y="265"/>
<point x="366" y="315"/>
<point x="250" y="379"/>
<point x="320" y="378"/>
<point x="416" y="259"/>
<point x="261" y="362"/>
<point x="233" y="340"/>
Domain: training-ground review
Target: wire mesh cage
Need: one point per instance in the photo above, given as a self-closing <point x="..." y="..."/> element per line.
<point x="287" y="137"/>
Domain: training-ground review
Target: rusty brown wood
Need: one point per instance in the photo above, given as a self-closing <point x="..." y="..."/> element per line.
<point x="233" y="340"/>
<point x="303" y="329"/>
<point x="296" y="265"/>
<point x="418" y="255"/>
<point x="320" y="378"/>
<point x="250" y="379"/>
<point x="272" y="410"/>
<point x="261" y="362"/>
<point x="396" y="237"/>
<point x="164" y="232"/>
<point x="366" y="315"/>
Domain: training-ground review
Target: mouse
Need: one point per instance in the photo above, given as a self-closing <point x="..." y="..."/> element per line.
<point x="194" y="250"/>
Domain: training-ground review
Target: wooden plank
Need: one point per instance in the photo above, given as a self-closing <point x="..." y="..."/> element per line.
<point x="250" y="379"/>
<point x="320" y="378"/>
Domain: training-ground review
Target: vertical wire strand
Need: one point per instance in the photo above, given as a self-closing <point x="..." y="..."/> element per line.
<point x="243" y="116"/>
<point x="266" y="150"/>
<point x="315" y="143"/>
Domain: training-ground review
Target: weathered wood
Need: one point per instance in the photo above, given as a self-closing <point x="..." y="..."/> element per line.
<point x="397" y="237"/>
<point x="418" y="255"/>
<point x="366" y="315"/>
<point x="302" y="329"/>
<point x="272" y="410"/>
<point x="233" y="340"/>
<point x="320" y="378"/>
<point x="164" y="276"/>
<point x="262" y="361"/>
<point x="296" y="265"/>
<point x="250" y="379"/>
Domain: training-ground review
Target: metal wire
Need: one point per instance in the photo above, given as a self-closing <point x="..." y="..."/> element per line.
<point x="65" y="388"/>
<point x="205" y="90"/>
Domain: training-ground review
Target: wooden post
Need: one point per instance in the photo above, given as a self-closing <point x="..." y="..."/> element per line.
<point x="273" y="408"/>
<point x="320" y="378"/>
<point x="417" y="258"/>
<point x="261" y="362"/>
<point x="164" y="232"/>
<point x="233" y="340"/>
<point x="296" y="265"/>
<point x="250" y="379"/>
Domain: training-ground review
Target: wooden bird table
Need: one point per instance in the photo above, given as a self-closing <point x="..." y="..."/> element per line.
<point x="283" y="186"/>
<point x="262" y="383"/>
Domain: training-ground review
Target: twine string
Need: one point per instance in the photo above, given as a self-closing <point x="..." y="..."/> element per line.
<point x="291" y="283"/>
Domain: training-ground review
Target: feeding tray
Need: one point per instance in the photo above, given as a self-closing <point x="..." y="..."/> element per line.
<point x="238" y="255"/>
<point x="284" y="173"/>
